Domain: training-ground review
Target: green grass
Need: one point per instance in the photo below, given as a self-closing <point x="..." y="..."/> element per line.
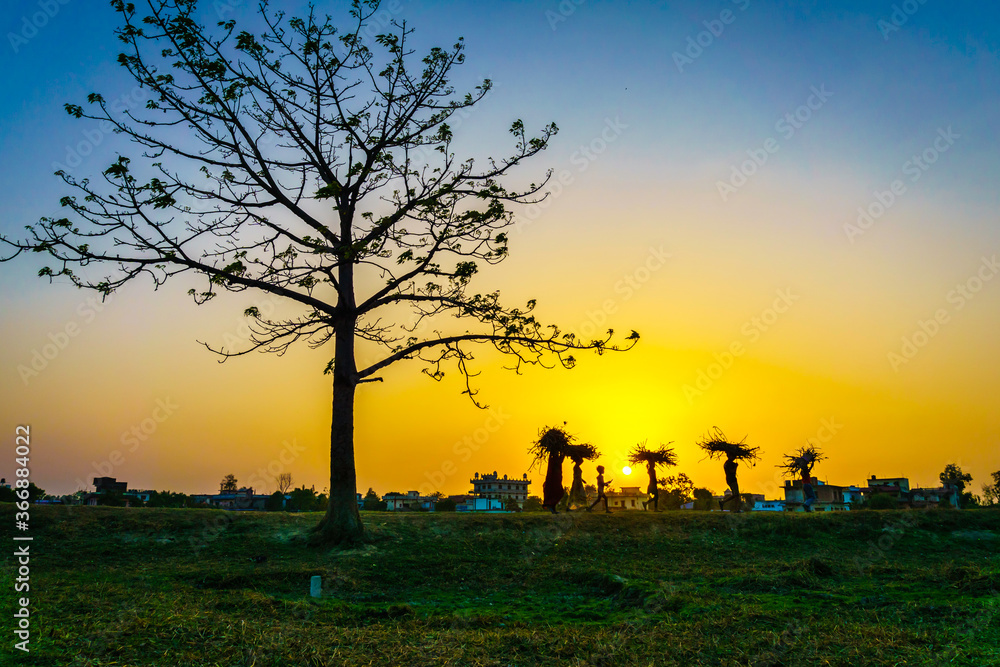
<point x="149" y="587"/>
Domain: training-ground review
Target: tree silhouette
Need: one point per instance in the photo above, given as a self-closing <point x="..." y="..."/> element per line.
<point x="307" y="164"/>
<point x="952" y="475"/>
<point x="991" y="492"/>
<point x="228" y="484"/>
<point x="284" y="482"/>
<point x="679" y="490"/>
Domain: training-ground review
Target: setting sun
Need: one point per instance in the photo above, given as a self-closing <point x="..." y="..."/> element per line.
<point x="626" y="470"/>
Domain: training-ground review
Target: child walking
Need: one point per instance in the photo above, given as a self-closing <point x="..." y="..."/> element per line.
<point x="601" y="495"/>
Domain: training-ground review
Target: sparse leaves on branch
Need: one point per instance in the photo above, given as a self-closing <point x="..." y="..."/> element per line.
<point x="315" y="165"/>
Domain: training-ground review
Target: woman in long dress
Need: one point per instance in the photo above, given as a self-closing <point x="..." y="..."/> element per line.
<point x="552" y="488"/>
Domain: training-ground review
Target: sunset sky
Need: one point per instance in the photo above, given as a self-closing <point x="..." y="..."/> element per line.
<point x="794" y="203"/>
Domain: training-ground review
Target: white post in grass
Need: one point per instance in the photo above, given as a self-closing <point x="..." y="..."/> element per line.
<point x="315" y="586"/>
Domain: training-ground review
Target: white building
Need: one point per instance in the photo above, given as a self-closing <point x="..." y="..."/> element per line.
<point x="768" y="506"/>
<point x="411" y="500"/>
<point x="480" y="505"/>
<point x="627" y="498"/>
<point x="488" y="485"/>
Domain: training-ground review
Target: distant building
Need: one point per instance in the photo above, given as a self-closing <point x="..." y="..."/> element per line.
<point x="911" y="498"/>
<point x="829" y="497"/>
<point x="104" y="486"/>
<point x="853" y="495"/>
<point x="626" y="498"/>
<point x="488" y="485"/>
<point x="768" y="506"/>
<point x="141" y="494"/>
<point x="109" y="485"/>
<point x="892" y="485"/>
<point x="241" y="499"/>
<point x="481" y="505"/>
<point x="409" y="501"/>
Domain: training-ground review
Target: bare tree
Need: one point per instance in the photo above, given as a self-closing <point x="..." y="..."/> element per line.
<point x="303" y="162"/>
<point x="284" y="482"/>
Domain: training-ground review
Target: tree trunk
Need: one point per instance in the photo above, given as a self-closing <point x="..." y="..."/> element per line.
<point x="342" y="523"/>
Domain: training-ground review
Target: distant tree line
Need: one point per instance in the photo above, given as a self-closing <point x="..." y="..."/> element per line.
<point x="678" y="490"/>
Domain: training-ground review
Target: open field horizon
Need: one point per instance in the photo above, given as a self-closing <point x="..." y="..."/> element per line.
<point x="202" y="588"/>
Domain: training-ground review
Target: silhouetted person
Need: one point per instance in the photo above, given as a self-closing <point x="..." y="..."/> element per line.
<point x="653" y="490"/>
<point x="578" y="492"/>
<point x="601" y="495"/>
<point x="730" y="469"/>
<point x="808" y="493"/>
<point x="552" y="487"/>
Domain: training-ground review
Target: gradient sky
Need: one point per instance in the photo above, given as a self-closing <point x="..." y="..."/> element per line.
<point x="641" y="238"/>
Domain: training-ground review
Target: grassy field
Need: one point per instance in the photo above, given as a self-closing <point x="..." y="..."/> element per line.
<point x="149" y="587"/>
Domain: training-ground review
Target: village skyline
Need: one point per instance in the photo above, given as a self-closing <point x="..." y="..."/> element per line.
<point x="806" y="244"/>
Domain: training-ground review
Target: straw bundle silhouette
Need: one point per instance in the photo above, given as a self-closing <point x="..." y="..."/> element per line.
<point x="581" y="451"/>
<point x="717" y="446"/>
<point x="551" y="441"/>
<point x="802" y="461"/>
<point x="664" y="456"/>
